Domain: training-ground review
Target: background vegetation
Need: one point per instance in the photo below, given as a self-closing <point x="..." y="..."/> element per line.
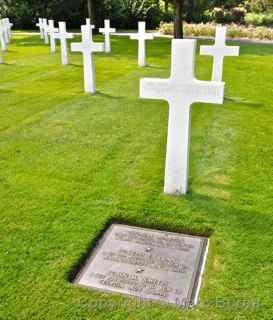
<point x="126" y="13"/>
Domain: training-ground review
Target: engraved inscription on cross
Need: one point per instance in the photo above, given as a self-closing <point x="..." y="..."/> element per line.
<point x="63" y="35"/>
<point x="107" y="30"/>
<point x="142" y="36"/>
<point x="181" y="90"/>
<point x="87" y="47"/>
<point x="219" y="50"/>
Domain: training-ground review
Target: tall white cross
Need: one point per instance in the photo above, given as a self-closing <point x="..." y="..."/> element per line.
<point x="107" y="30"/>
<point x="2" y="37"/>
<point x="181" y="90"/>
<point x="142" y="36"/>
<point x="1" y="48"/>
<point x="51" y="30"/>
<point x="91" y="27"/>
<point x="4" y="30"/>
<point x="8" y="27"/>
<point x="40" y="26"/>
<point x="45" y="26"/>
<point x="63" y="35"/>
<point x="87" y="47"/>
<point x="219" y="50"/>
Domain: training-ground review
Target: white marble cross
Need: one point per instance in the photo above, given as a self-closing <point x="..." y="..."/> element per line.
<point x="181" y="90"/>
<point x="51" y="30"/>
<point x="1" y="50"/>
<point x="4" y="30"/>
<point x="40" y="26"/>
<point x="8" y="27"/>
<point x="3" y="37"/>
<point x="219" y="50"/>
<point x="45" y="26"/>
<point x="91" y="27"/>
<point x="63" y="35"/>
<point x="142" y="36"/>
<point x="107" y="30"/>
<point x="87" y="47"/>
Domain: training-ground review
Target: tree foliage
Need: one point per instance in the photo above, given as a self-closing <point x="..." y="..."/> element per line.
<point x="123" y="13"/>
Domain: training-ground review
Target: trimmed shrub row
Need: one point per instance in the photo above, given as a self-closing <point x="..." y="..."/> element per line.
<point x="208" y="29"/>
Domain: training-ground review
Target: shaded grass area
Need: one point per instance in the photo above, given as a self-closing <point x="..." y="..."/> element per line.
<point x="71" y="162"/>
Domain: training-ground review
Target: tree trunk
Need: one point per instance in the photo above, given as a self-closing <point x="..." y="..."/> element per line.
<point x="91" y="11"/>
<point x="178" y="19"/>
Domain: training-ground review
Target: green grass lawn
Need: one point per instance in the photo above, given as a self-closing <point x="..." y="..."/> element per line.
<point x="70" y="163"/>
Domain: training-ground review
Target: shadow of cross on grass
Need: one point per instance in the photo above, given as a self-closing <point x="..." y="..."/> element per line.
<point x="242" y="102"/>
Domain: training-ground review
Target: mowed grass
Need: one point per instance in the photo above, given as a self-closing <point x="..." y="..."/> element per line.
<point x="70" y="163"/>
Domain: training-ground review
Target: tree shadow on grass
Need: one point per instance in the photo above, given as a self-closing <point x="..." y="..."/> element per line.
<point x="75" y="65"/>
<point x="156" y="67"/>
<point x="10" y="51"/>
<point x="101" y="94"/>
<point x="6" y="64"/>
<point x="242" y="102"/>
<point x="4" y="91"/>
<point x="30" y="44"/>
<point x="29" y="41"/>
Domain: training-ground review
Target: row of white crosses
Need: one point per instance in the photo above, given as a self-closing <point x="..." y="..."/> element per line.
<point x="5" y="35"/>
<point x="181" y="90"/>
<point x="87" y="47"/>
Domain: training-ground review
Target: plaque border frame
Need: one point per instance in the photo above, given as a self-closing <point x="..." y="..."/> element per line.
<point x="195" y="282"/>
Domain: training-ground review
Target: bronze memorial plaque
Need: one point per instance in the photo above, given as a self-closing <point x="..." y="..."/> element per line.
<point x="149" y="264"/>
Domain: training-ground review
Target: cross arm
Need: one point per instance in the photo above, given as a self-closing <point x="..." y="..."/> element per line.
<point x="134" y="36"/>
<point x="149" y="36"/>
<point x="63" y="35"/>
<point x="206" y="50"/>
<point x="209" y="91"/>
<point x="232" y="50"/>
<point x="103" y="30"/>
<point x="154" y="88"/>
<point x="98" y="47"/>
<point x="224" y="51"/>
<point x="84" y="46"/>
<point x="76" y="47"/>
